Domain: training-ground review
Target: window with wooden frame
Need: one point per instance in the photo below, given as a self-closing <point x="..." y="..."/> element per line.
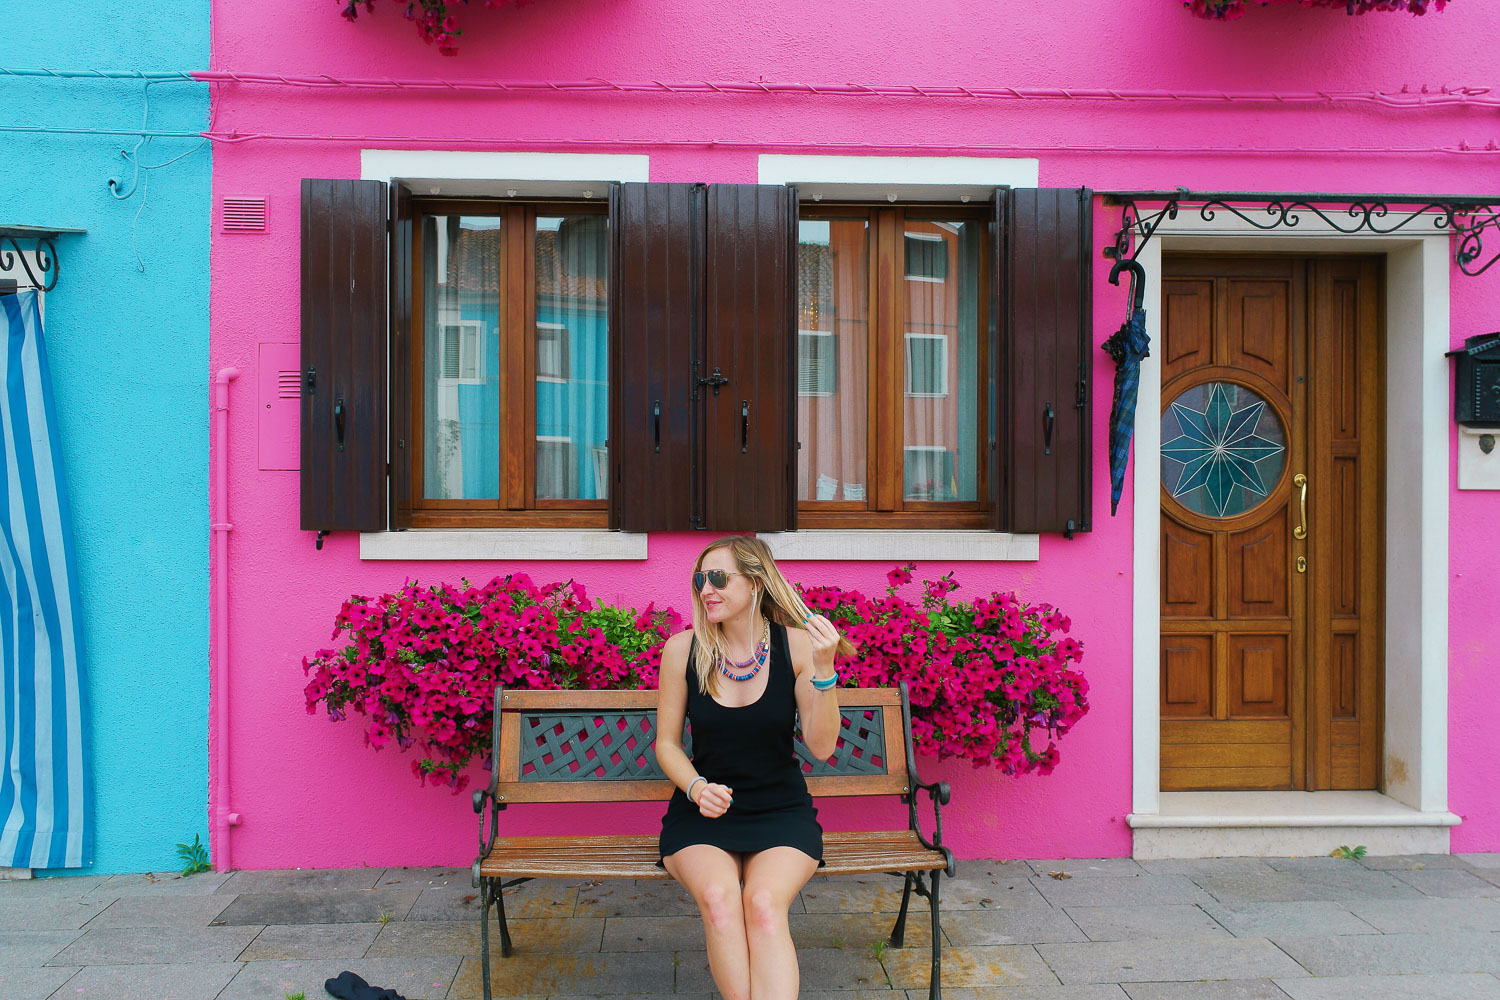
<point x="509" y="364"/>
<point x="900" y="298"/>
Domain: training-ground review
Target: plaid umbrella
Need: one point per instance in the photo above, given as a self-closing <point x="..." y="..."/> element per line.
<point x="1128" y="345"/>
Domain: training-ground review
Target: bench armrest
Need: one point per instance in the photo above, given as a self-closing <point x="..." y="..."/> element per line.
<point x="938" y="791"/>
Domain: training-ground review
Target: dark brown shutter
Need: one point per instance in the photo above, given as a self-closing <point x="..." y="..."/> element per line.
<point x="343" y="355"/>
<point x="1046" y="240"/>
<point x="750" y="420"/>
<point x="656" y="319"/>
<point x="401" y="374"/>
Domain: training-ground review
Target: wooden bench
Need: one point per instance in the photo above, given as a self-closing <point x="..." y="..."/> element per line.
<point x="599" y="746"/>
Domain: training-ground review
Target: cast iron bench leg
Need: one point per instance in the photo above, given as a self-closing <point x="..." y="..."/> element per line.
<point x="484" y="934"/>
<point x="898" y="933"/>
<point x="935" y="987"/>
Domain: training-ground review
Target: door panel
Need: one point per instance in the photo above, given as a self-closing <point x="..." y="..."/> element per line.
<point x="1272" y="531"/>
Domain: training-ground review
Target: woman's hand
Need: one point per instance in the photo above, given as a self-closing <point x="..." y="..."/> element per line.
<point x="714" y="800"/>
<point x="825" y="643"/>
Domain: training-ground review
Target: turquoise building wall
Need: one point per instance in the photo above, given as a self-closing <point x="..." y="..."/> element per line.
<point x="127" y="340"/>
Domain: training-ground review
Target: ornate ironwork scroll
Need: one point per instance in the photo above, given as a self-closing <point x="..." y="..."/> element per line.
<point x="11" y="252"/>
<point x="1466" y="217"/>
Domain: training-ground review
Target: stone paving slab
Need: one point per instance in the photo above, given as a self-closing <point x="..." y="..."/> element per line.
<point x="162" y="911"/>
<point x="623" y="899"/>
<point x="528" y="975"/>
<point x="413" y="978"/>
<point x="447" y="937"/>
<point x="1491" y="860"/>
<point x="1165" y="960"/>
<point x="1395" y="954"/>
<point x="1206" y="866"/>
<point x="1088" y="867"/>
<point x="49" y="913"/>
<point x="156" y="945"/>
<point x="852" y="930"/>
<point x="463" y="904"/>
<point x="51" y="887"/>
<point x="1319" y="863"/>
<point x="970" y="965"/>
<point x="428" y="878"/>
<point x="873" y="894"/>
<point x="1124" y="923"/>
<point x="1293" y="919"/>
<point x="291" y="942"/>
<point x="1411" y="862"/>
<point x="34" y="947"/>
<point x="1234" y="989"/>
<point x="821" y="969"/>
<point x="1128" y="890"/>
<point x="997" y="887"/>
<point x="302" y="879"/>
<point x="1470" y="987"/>
<point x="196" y="981"/>
<point x="1449" y="882"/>
<point x="1416" y="916"/>
<point x="1023" y="925"/>
<point x="161" y="884"/>
<point x="22" y="983"/>
<point x="652" y="933"/>
<point x="1094" y="991"/>
<point x="1328" y="886"/>
<point x="354" y="906"/>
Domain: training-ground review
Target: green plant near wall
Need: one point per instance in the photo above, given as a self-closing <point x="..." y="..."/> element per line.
<point x="194" y="857"/>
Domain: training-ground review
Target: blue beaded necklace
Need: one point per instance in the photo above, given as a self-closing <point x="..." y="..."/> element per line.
<point x="762" y="649"/>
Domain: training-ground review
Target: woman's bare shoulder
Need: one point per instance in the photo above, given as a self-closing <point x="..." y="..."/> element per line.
<point x="675" y="649"/>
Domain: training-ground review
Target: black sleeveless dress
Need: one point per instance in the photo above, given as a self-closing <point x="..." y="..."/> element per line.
<point x="750" y="750"/>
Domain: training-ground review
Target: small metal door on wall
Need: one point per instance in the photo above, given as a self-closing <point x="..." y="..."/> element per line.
<point x="1272" y="529"/>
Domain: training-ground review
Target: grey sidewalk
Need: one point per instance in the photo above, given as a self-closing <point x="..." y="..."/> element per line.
<point x="1426" y="928"/>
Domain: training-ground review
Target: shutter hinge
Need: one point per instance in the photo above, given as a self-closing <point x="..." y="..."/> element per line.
<point x="388" y="468"/>
<point x="1083" y="389"/>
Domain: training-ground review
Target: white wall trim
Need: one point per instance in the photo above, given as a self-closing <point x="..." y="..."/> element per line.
<point x="909" y="178"/>
<point x="1417" y="478"/>
<point x="481" y="545"/>
<point x="530" y="175"/>
<point x="903" y="546"/>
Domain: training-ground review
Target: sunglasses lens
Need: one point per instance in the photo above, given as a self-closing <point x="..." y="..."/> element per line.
<point x="718" y="578"/>
<point x="698" y="579"/>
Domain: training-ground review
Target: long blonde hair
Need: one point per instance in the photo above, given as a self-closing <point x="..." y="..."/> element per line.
<point x="779" y="602"/>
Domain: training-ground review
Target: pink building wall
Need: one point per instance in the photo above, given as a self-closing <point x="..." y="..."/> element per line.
<point x="311" y="794"/>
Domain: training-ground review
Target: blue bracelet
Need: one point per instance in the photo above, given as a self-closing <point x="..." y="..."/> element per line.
<point x="824" y="685"/>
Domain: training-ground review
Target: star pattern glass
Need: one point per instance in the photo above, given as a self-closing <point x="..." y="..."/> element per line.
<point x="1223" y="449"/>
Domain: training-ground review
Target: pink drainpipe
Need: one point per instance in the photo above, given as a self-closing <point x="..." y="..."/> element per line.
<point x="224" y="818"/>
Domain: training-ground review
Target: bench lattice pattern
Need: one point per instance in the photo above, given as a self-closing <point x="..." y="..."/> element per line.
<point x="621" y="746"/>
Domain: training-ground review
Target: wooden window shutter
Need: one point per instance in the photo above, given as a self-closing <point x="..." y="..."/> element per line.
<point x="402" y="220"/>
<point x="656" y="309"/>
<point x="343" y="355"/>
<point x="1045" y="258"/>
<point x="750" y="340"/>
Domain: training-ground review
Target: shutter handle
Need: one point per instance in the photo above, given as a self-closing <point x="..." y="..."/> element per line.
<point x="311" y="378"/>
<point x="744" y="426"/>
<point x="1048" y="419"/>
<point x="656" y="422"/>
<point x="339" y="415"/>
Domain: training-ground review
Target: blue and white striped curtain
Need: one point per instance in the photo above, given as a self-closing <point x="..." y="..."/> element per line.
<point x="46" y="780"/>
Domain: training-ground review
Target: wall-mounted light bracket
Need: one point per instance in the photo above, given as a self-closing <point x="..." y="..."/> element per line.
<point x="17" y="243"/>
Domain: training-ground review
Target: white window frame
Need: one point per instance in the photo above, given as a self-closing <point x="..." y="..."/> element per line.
<point x="829" y="338"/>
<point x="565" y="336"/>
<point x="476" y="354"/>
<point x="942" y="369"/>
<point x="925" y="238"/>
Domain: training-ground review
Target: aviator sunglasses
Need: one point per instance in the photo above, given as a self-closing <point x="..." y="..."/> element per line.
<point x="719" y="578"/>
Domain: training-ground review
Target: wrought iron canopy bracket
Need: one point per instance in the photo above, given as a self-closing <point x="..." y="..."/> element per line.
<point x="1465" y="216"/>
<point x="13" y="250"/>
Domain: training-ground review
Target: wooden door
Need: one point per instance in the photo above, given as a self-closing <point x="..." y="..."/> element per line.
<point x="1272" y="535"/>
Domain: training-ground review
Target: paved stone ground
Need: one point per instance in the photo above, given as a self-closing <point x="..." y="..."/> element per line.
<point x="1425" y="928"/>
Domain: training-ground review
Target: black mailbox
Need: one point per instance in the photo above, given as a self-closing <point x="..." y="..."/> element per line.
<point x="1476" y="395"/>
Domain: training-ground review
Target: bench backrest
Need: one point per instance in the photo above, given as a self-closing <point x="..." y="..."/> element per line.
<point x="600" y="746"/>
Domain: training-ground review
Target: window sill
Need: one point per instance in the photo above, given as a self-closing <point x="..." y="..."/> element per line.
<point x="501" y="543"/>
<point x="902" y="546"/>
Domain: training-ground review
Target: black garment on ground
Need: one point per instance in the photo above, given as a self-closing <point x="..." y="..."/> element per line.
<point x="750" y="750"/>
<point x="348" y="986"/>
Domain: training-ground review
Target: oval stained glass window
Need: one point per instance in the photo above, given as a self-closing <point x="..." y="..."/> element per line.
<point x="1223" y="449"/>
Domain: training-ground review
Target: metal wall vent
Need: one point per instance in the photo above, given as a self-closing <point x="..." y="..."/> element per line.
<point x="289" y="384"/>
<point x="244" y="215"/>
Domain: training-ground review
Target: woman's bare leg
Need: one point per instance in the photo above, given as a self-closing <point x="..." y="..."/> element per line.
<point x="712" y="875"/>
<point x="773" y="878"/>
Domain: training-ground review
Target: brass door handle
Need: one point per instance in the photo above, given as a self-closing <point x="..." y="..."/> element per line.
<point x="1300" y="481"/>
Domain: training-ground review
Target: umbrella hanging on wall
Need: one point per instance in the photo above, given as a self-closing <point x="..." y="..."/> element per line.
<point x="1127" y="345"/>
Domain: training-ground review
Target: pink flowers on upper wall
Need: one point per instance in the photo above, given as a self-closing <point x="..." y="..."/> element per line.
<point x="1228" y="10"/>
<point x="436" y="24"/>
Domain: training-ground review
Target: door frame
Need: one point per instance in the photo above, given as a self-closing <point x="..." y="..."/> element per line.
<point x="1417" y="474"/>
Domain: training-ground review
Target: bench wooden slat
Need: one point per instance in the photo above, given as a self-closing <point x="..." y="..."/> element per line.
<point x="591" y="700"/>
<point x="634" y="857"/>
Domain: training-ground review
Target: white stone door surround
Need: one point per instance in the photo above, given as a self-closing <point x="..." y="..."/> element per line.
<point x="1415" y="759"/>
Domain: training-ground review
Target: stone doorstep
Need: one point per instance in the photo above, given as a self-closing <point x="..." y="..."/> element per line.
<point x="1284" y="824"/>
